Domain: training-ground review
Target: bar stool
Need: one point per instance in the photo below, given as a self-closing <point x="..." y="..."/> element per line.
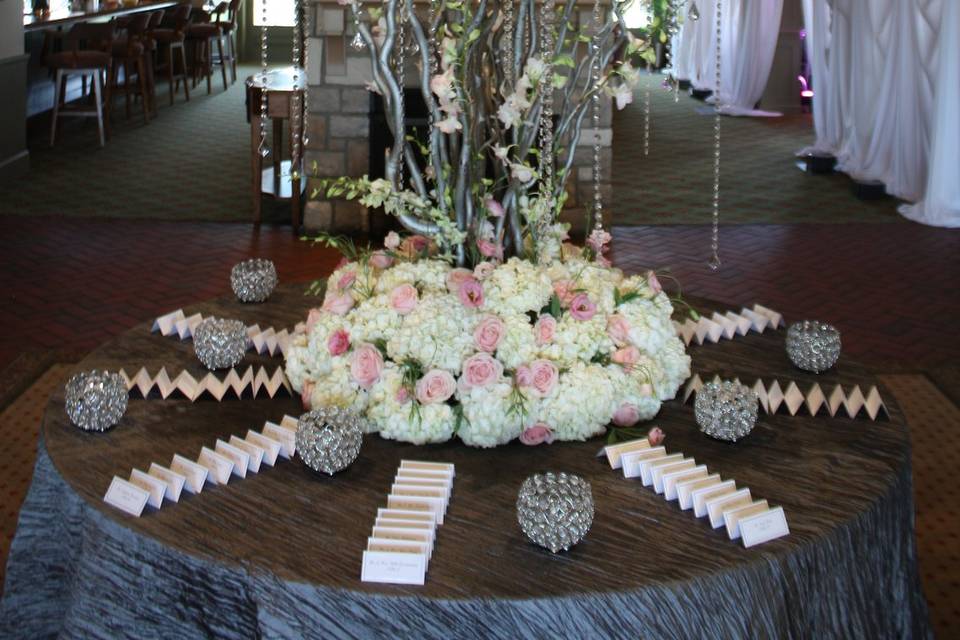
<point x="173" y="34"/>
<point x="201" y="34"/>
<point x="156" y="18"/>
<point x="94" y="62"/>
<point x="130" y="53"/>
<point x="229" y="29"/>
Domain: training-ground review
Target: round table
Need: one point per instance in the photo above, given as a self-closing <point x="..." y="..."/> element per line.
<point x="278" y="554"/>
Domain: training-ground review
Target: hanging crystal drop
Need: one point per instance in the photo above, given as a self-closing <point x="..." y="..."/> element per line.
<point x="357" y="44"/>
<point x="694" y="12"/>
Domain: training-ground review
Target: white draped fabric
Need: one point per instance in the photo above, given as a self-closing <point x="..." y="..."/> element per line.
<point x="876" y="78"/>
<point x="681" y="45"/>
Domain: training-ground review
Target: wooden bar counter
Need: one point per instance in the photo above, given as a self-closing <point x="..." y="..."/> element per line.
<point x="63" y="17"/>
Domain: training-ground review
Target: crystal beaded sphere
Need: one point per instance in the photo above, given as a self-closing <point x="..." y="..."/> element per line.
<point x="329" y="439"/>
<point x="812" y="345"/>
<point x="253" y="280"/>
<point x="96" y="400"/>
<point x="726" y="410"/>
<point x="220" y="344"/>
<point x="555" y="510"/>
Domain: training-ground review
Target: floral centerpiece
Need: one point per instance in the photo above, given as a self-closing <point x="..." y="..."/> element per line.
<point x="486" y="324"/>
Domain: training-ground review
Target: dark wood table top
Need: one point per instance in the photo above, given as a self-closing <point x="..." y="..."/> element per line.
<point x="306" y="528"/>
<point x="63" y="16"/>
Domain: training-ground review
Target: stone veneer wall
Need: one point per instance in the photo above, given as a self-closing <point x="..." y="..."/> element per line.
<point x="339" y="122"/>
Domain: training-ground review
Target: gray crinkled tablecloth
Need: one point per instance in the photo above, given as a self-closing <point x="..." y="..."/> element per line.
<point x="75" y="573"/>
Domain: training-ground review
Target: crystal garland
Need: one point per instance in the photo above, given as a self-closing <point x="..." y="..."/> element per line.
<point x="646" y="111"/>
<point x="547" y="16"/>
<point x="399" y="55"/>
<point x="432" y="57"/>
<point x="669" y="58"/>
<point x="506" y="45"/>
<point x="307" y="34"/>
<point x="715" y="231"/>
<point x="595" y="75"/>
<point x="357" y="43"/>
<point x="262" y="147"/>
<point x="296" y="116"/>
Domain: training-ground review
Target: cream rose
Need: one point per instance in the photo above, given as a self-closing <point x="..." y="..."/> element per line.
<point x="545" y="329"/>
<point x="489" y="333"/>
<point x="480" y="370"/>
<point x="366" y="365"/>
<point x="435" y="386"/>
<point x="404" y="298"/>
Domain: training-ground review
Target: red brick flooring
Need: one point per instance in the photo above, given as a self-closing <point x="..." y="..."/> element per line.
<point x="892" y="289"/>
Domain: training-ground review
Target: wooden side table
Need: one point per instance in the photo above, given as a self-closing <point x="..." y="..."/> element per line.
<point x="276" y="180"/>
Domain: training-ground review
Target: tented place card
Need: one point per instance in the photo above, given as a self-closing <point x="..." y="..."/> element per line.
<point x="234" y="458"/>
<point x="402" y="540"/>
<point x="728" y="325"/>
<point x="774" y="396"/>
<point x="254" y="381"/>
<point x="676" y="477"/>
<point x="263" y="341"/>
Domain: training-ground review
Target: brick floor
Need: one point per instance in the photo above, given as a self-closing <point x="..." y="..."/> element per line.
<point x="73" y="283"/>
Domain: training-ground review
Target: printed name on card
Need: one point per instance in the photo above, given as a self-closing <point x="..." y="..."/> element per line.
<point x="154" y="486"/>
<point x="401" y="567"/>
<point x="126" y="497"/>
<point x="256" y="453"/>
<point x="239" y="457"/>
<point x="404" y="535"/>
<point x="732" y="517"/>
<point x="219" y="467"/>
<point x="195" y="474"/>
<point x="417" y="503"/>
<point x="764" y="526"/>
<point x="172" y="479"/>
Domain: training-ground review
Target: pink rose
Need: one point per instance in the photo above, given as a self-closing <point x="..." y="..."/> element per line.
<point x="618" y="328"/>
<point x="582" y="307"/>
<point x="415" y="246"/>
<point x="435" y="386"/>
<point x="537" y="434"/>
<point x="305" y="394"/>
<point x="483" y="270"/>
<point x="653" y="282"/>
<point x="564" y="289"/>
<point x="598" y="241"/>
<point x="313" y="318"/>
<point x="543" y="377"/>
<point x="456" y="277"/>
<point x="343" y="262"/>
<point x="656" y="436"/>
<point x="626" y="415"/>
<point x="626" y="356"/>
<point x="490" y="249"/>
<point x="480" y="370"/>
<point x="545" y="329"/>
<point x="494" y="208"/>
<point x="337" y="303"/>
<point x="524" y="376"/>
<point x="392" y="241"/>
<point x="403" y="396"/>
<point x="380" y="260"/>
<point x="338" y="342"/>
<point x="366" y="365"/>
<point x="471" y="293"/>
<point x="404" y="298"/>
<point x="346" y="280"/>
<point x="489" y="333"/>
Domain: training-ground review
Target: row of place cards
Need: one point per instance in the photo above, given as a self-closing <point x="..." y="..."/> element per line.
<point x="235" y="457"/>
<point x="676" y="477"/>
<point x="401" y="543"/>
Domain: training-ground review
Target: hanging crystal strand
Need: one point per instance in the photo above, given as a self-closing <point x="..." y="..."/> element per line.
<point x="715" y="231"/>
<point x="546" y="112"/>
<point x="296" y="116"/>
<point x="399" y="54"/>
<point x="432" y="57"/>
<point x="646" y="111"/>
<point x="595" y="75"/>
<point x="357" y="44"/>
<point x="262" y="148"/>
<point x="307" y="33"/>
<point x="672" y="30"/>
<point x="506" y="44"/>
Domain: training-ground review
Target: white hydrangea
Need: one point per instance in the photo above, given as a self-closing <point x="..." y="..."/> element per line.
<point x="373" y="319"/>
<point x="437" y="334"/>
<point x="299" y="362"/>
<point x="518" y="344"/>
<point x="337" y="388"/>
<point x="488" y="421"/>
<point x="429" y="276"/>
<point x="675" y="365"/>
<point x="517" y="286"/>
<point x="578" y="340"/>
<point x="633" y="388"/>
<point x="365" y="280"/>
<point x="650" y="325"/>
<point x="408" y="421"/>
<point x="583" y="405"/>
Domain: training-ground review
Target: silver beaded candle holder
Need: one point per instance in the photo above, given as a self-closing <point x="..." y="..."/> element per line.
<point x="253" y="280"/>
<point x="555" y="510"/>
<point x="329" y="439"/>
<point x="812" y="345"/>
<point x="96" y="400"/>
<point x="726" y="410"/>
<point x="220" y="344"/>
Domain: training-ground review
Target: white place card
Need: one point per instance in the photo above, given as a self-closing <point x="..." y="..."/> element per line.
<point x="686" y="488"/>
<point x="400" y="489"/>
<point x="417" y="503"/>
<point x="256" y="453"/>
<point x="172" y="479"/>
<point x="286" y="438"/>
<point x="385" y="544"/>
<point x="414" y="525"/>
<point x="195" y="474"/>
<point x="419" y="474"/>
<point x="700" y="496"/>
<point x="418" y="515"/>
<point x="647" y="466"/>
<point x="219" y="467"/>
<point x="239" y="457"/>
<point x="732" y="517"/>
<point x="154" y="486"/>
<point x="657" y="471"/>
<point x="428" y="466"/>
<point x="630" y="461"/>
<point x="438" y="488"/>
<point x="763" y="526"/>
<point x="422" y="482"/>
<point x="126" y="497"/>
<point x="393" y="567"/>
<point x="615" y="451"/>
<point x="716" y="506"/>
<point x="405" y="535"/>
<point x="670" y="480"/>
<point x="271" y="448"/>
<point x="289" y="422"/>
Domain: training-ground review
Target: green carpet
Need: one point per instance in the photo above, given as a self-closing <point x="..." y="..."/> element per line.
<point x="760" y="181"/>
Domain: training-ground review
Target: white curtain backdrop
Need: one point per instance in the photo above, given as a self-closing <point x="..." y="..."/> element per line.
<point x="681" y="45"/>
<point x="876" y="78"/>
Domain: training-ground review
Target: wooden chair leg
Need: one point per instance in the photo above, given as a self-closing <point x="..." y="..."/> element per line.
<point x="183" y="63"/>
<point x="223" y="62"/>
<point x="208" y="65"/>
<point x="170" y="71"/>
<point x="126" y="89"/>
<point x="232" y="44"/>
<point x="108" y="98"/>
<point x="144" y="97"/>
<point x="97" y="97"/>
<point x="56" y="106"/>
